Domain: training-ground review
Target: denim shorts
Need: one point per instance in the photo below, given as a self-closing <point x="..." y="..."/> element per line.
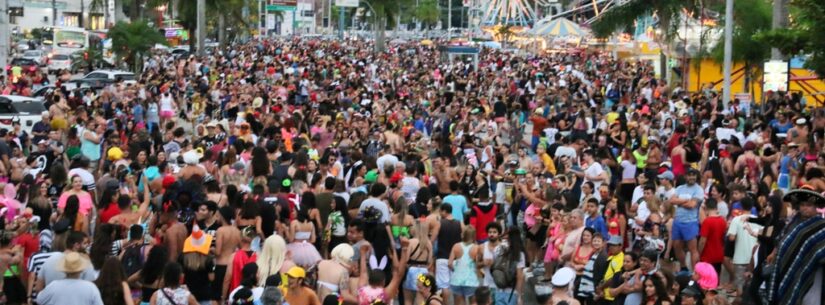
<point x="464" y="291"/>
<point x="505" y="297"/>
<point x="411" y="281"/>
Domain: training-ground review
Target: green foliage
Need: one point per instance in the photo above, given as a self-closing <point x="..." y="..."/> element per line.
<point x="93" y="58"/>
<point x="623" y="16"/>
<point x="750" y="17"/>
<point x="133" y="40"/>
<point x="427" y="12"/>
<point x="804" y="35"/>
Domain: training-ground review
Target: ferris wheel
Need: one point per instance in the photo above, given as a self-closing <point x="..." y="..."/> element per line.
<point x="508" y="12"/>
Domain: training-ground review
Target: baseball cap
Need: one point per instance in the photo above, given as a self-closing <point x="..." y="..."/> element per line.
<point x="615" y="240"/>
<point x="296" y="272"/>
<point x="563" y="277"/>
<point x="667" y="175"/>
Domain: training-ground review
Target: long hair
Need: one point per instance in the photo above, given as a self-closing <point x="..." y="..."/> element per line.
<point x="102" y="245"/>
<point x="515" y="244"/>
<point x="420" y="230"/>
<point x="661" y="290"/>
<point x="171" y="275"/>
<point x="110" y="281"/>
<point x="58" y="173"/>
<point x="194" y="261"/>
<point x="271" y="258"/>
<point x="71" y="209"/>
<point x="260" y="162"/>
<point x="154" y="264"/>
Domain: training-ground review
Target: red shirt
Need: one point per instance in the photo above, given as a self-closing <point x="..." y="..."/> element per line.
<point x="713" y="230"/>
<point x="539" y="124"/>
<point x="110" y="211"/>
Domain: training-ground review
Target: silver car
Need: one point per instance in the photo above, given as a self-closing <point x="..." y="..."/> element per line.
<point x="38" y="56"/>
<point x="59" y="62"/>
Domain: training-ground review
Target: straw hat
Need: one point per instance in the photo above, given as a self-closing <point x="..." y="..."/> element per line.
<point x="198" y="241"/>
<point x="72" y="263"/>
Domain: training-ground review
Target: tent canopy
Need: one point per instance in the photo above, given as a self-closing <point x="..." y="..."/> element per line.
<point x="560" y="27"/>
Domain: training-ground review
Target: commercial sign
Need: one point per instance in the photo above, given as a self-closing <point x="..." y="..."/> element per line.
<point x="279" y="8"/>
<point x="775" y="77"/>
<point x="346" y="3"/>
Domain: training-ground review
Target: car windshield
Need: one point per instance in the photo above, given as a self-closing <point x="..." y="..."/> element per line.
<point x="29" y="107"/>
<point x="31" y="53"/>
<point x="60" y="57"/>
<point x="22" y="61"/>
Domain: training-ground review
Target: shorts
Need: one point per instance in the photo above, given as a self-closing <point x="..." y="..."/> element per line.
<point x="730" y="247"/>
<point x="505" y="297"/>
<point x="442" y="273"/>
<point x="411" y="281"/>
<point x="685" y="231"/>
<point x="464" y="291"/>
<point x="217" y="284"/>
<point x="167" y="114"/>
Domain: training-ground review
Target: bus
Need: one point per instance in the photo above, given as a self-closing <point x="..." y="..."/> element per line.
<point x="68" y="40"/>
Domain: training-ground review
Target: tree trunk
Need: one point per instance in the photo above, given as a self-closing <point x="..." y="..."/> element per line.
<point x="134" y="12"/>
<point x="222" y="30"/>
<point x="380" y="28"/>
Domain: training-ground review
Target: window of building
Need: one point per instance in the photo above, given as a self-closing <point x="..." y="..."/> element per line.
<point x="97" y="22"/>
<point x="71" y="19"/>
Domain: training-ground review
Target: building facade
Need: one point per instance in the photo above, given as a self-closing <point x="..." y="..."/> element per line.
<point x="25" y="15"/>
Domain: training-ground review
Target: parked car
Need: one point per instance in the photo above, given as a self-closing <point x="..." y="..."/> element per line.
<point x="127" y="77"/>
<point x="28" y="65"/>
<point x="60" y="62"/>
<point x="37" y="55"/>
<point x="23" y="109"/>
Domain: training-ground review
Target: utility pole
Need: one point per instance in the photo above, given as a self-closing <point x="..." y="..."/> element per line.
<point x="728" y="51"/>
<point x="4" y="32"/>
<point x="54" y="12"/>
<point x="201" y="26"/>
<point x="780" y="21"/>
<point x="449" y="19"/>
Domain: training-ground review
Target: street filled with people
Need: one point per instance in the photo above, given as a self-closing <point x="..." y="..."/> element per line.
<point x="307" y="171"/>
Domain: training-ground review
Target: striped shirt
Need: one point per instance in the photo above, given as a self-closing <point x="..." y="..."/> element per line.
<point x="46" y="238"/>
<point x="37" y="260"/>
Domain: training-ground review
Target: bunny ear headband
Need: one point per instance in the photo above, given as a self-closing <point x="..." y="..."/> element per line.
<point x="374" y="265"/>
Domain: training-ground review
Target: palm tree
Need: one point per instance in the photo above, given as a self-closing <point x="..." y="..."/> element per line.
<point x="132" y="41"/>
<point x="87" y="60"/>
<point x="384" y="10"/>
<point x="624" y="16"/>
<point x="504" y="32"/>
<point x="427" y="12"/>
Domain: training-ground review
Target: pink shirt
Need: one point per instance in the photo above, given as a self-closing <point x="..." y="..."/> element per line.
<point x="85" y="202"/>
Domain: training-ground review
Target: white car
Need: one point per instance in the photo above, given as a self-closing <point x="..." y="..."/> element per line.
<point x="23" y="109"/>
<point x="127" y="77"/>
<point x="59" y="62"/>
<point x="38" y="56"/>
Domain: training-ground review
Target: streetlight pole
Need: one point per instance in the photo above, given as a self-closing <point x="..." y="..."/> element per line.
<point x="4" y="31"/>
<point x="728" y="52"/>
<point x="449" y="19"/>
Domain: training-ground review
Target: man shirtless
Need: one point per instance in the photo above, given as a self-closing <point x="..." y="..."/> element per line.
<point x="443" y="175"/>
<point x="127" y="216"/>
<point x="227" y="240"/>
<point x="173" y="231"/>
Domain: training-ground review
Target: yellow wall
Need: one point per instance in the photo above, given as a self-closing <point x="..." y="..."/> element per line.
<point x="711" y="72"/>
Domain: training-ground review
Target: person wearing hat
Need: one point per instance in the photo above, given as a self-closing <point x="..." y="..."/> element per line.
<point x="688" y="199"/>
<point x="76" y="242"/>
<point x="799" y="132"/>
<point x="73" y="289"/>
<point x="666" y="183"/>
<point x="615" y="262"/>
<point x="798" y="279"/>
<point x="296" y="292"/>
<point x="198" y="266"/>
<point x="562" y="281"/>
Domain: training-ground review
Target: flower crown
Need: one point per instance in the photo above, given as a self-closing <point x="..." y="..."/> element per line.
<point x="371" y="214"/>
<point x="424" y="280"/>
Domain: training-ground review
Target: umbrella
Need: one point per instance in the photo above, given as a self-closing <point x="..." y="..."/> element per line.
<point x="560" y="27"/>
<point x="426" y="42"/>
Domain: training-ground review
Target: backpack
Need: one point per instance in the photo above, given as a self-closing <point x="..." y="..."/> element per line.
<point x="504" y="270"/>
<point x="132" y="259"/>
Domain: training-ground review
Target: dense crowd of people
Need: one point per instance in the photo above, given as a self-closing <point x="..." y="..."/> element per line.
<point x="307" y="172"/>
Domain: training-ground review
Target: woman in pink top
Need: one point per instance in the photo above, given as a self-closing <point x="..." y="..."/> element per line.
<point x="76" y="189"/>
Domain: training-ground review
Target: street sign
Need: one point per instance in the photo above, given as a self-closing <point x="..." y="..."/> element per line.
<point x="346" y="3"/>
<point x="279" y="8"/>
<point x="284" y="2"/>
<point x="776" y="76"/>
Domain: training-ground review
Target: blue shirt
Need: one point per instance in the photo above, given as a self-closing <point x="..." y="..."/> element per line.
<point x="685" y="191"/>
<point x="597" y="223"/>
<point x="459" y="204"/>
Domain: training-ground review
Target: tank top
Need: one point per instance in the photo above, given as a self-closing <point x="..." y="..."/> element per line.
<point x="678" y="165"/>
<point x="481" y="220"/>
<point x="178" y="296"/>
<point x="464" y="269"/>
<point x="448" y="235"/>
<point x="89" y="149"/>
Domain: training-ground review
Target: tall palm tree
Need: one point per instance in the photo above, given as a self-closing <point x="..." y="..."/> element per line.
<point x="384" y="10"/>
<point x="624" y="16"/>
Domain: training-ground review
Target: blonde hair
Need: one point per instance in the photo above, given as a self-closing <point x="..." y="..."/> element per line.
<point x="342" y="254"/>
<point x="194" y="260"/>
<point x="271" y="258"/>
<point x="469" y="234"/>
